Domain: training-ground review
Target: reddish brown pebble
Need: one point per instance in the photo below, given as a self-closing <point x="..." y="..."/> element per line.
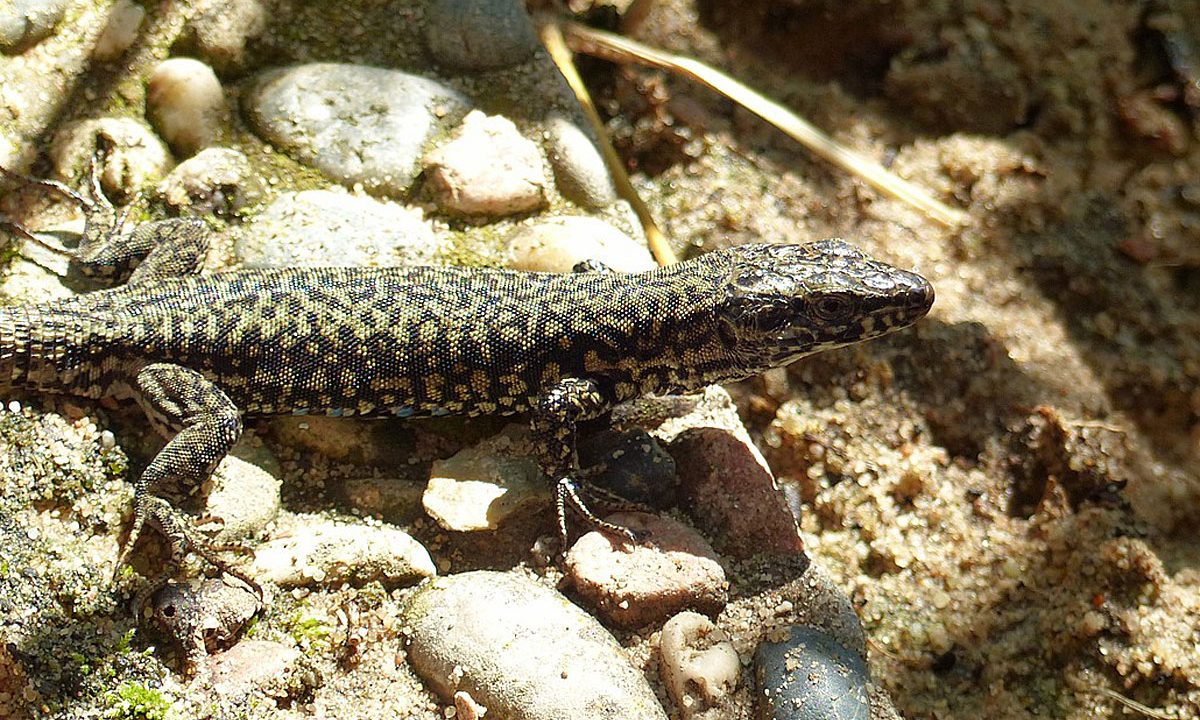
<point x="672" y="569"/>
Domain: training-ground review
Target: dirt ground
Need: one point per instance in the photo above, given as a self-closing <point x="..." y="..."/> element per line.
<point x="1010" y="493"/>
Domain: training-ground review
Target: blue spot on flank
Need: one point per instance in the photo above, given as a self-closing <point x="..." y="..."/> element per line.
<point x="403" y="411"/>
<point x="439" y="411"/>
<point x="299" y="411"/>
<point x="334" y="412"/>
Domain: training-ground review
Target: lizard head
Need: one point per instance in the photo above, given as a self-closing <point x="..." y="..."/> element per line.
<point x="788" y="301"/>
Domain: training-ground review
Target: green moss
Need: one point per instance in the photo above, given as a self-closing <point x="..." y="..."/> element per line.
<point x="137" y="702"/>
<point x="309" y="632"/>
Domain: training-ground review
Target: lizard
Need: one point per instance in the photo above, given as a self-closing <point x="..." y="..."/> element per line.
<point x="200" y="352"/>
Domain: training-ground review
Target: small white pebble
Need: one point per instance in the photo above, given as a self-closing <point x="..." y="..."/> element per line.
<point x="14" y="407"/>
<point x="107" y="440"/>
<point x="124" y="19"/>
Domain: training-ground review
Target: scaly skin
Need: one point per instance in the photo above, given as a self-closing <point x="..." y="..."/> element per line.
<point x="201" y="352"/>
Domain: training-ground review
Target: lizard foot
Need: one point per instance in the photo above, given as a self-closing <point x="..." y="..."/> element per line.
<point x="567" y="496"/>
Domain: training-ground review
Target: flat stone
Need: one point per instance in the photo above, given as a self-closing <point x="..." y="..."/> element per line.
<point x="487" y="168"/>
<point x="479" y="34"/>
<point x="357" y="124"/>
<point x="322" y="228"/>
<point x="278" y="671"/>
<point x="673" y="568"/>
<point x="315" y="552"/>
<point x="522" y="650"/>
<point x="480" y="486"/>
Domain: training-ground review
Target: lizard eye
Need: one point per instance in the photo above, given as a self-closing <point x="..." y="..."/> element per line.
<point x="833" y="307"/>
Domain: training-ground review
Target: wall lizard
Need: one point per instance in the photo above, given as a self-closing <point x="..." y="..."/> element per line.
<point x="200" y="352"/>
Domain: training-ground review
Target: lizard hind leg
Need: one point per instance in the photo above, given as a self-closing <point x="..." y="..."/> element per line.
<point x="204" y="423"/>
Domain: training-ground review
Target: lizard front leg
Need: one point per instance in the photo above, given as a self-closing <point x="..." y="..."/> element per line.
<point x="201" y="423"/>
<point x="112" y="248"/>
<point x="553" y="420"/>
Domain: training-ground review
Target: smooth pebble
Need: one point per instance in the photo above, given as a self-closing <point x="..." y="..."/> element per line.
<point x="186" y="104"/>
<point x="522" y="650"/>
<point x="579" y="169"/>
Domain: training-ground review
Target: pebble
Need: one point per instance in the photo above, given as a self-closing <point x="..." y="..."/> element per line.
<point x="244" y="492"/>
<point x="579" y="169"/>
<point x="186" y="104"/>
<point x="479" y="34"/>
<point x="24" y="23"/>
<point x="316" y="552"/>
<point x="487" y="168"/>
<point x="220" y="32"/>
<point x="137" y="158"/>
<point x="324" y="227"/>
<point x="557" y="244"/>
<point x="630" y="463"/>
<point x="121" y="29"/>
<point x="355" y="123"/>
<point x="700" y="666"/>
<point x="808" y="675"/>
<point x="215" y="180"/>
<point x="634" y="585"/>
<point x="522" y="650"/>
<point x="479" y="486"/>
<point x="274" y="669"/>
<point x="203" y="616"/>
<point x="725" y="483"/>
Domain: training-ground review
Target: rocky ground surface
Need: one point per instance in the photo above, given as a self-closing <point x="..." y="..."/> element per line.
<point x="997" y="510"/>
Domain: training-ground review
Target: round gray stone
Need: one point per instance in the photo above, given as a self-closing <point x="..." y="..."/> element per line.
<point x="479" y="34"/>
<point x="321" y="228"/>
<point x="355" y="123"/>
<point x="523" y="650"/>
<point x="811" y="676"/>
<point x="25" y="22"/>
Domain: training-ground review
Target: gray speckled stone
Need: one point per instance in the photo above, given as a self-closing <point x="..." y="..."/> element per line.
<point x="479" y="34"/>
<point x="811" y="676"/>
<point x="25" y="22"/>
<point x="522" y="650"/>
<point x="320" y="227"/>
<point x="357" y="124"/>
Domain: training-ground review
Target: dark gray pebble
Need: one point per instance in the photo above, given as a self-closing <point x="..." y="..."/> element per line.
<point x="631" y="464"/>
<point x="479" y="34"/>
<point x="811" y="676"/>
